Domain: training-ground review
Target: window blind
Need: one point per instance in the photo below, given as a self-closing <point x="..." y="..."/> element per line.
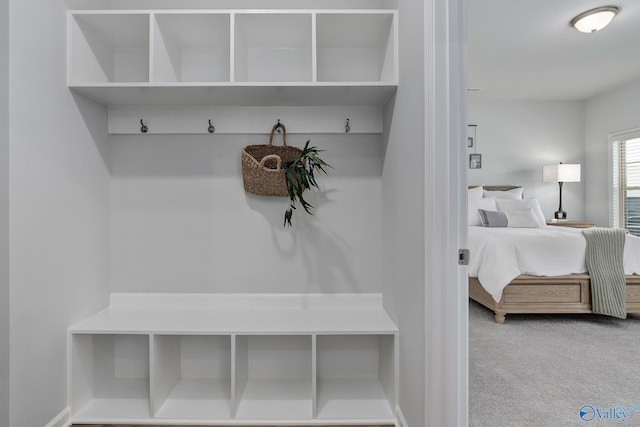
<point x="626" y="185"/>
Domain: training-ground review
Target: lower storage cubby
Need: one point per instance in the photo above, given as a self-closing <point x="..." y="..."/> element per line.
<point x="355" y="376"/>
<point x="218" y="360"/>
<point x="110" y="376"/>
<point x="191" y="377"/>
<point x="274" y="377"/>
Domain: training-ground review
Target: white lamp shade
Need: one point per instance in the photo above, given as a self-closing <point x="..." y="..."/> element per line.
<point x="562" y="172"/>
<point x="594" y="20"/>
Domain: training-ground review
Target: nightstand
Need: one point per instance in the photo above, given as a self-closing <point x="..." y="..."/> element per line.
<point x="574" y="224"/>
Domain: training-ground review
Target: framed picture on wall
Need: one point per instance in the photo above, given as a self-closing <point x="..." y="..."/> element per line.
<point x="475" y="161"/>
<point x="470" y="142"/>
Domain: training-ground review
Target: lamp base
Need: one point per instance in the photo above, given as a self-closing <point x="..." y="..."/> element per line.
<point x="560" y="215"/>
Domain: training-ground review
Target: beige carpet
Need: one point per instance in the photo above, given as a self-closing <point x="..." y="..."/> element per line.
<point x="553" y="370"/>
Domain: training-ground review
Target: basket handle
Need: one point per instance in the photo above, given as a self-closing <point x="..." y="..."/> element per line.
<point x="284" y="133"/>
<point x="272" y="156"/>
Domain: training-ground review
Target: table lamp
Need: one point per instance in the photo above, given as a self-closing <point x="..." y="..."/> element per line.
<point x="561" y="173"/>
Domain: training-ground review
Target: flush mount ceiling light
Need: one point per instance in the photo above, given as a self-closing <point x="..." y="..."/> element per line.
<point x="595" y="19"/>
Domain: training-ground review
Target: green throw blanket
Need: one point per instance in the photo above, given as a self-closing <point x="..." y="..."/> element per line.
<point x="604" y="257"/>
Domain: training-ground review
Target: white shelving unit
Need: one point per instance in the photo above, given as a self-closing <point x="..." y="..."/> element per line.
<point x="273" y="47"/>
<point x="191" y="47"/>
<point x="355" y="47"/>
<point x="233" y="57"/>
<point x="354" y="375"/>
<point x="215" y="359"/>
<point x="191" y="376"/>
<point x="109" y="48"/>
<point x="274" y="377"/>
<point x="110" y="376"/>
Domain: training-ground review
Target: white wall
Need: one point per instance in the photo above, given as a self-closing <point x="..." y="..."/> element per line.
<point x="403" y="211"/>
<point x="182" y="222"/>
<point x="62" y="208"/>
<point x="59" y="189"/>
<point x="4" y="213"/>
<point x="516" y="138"/>
<point x="606" y="114"/>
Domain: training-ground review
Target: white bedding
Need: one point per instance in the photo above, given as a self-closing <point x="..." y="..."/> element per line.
<point x="499" y="255"/>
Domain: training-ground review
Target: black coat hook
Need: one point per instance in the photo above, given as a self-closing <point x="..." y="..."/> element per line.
<point x="347" y="128"/>
<point x="211" y="128"/>
<point x="278" y="127"/>
<point x="143" y="127"/>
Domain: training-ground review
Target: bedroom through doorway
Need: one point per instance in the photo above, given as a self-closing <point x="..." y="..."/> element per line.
<point x="539" y="93"/>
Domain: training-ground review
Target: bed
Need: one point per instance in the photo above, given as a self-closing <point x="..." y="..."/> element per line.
<point x="548" y="276"/>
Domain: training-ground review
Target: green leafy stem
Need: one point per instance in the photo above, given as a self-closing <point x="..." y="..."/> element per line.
<point x="300" y="176"/>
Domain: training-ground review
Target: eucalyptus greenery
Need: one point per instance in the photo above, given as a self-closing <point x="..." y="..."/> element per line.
<point x="300" y="176"/>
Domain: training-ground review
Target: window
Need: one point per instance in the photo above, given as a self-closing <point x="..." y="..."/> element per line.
<point x="626" y="185"/>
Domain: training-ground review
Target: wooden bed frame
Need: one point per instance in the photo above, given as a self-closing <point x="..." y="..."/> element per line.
<point x="557" y="294"/>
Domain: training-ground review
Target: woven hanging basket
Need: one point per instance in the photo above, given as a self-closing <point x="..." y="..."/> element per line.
<point x="262" y="172"/>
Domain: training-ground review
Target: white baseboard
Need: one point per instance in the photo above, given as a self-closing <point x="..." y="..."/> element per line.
<point x="402" y="422"/>
<point x="60" y="420"/>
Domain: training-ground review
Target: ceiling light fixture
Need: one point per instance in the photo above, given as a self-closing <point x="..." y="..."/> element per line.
<point x="595" y="19"/>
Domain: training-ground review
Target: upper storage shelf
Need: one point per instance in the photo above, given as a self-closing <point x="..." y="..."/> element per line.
<point x="240" y="57"/>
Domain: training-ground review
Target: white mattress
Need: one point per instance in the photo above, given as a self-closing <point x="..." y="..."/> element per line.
<point x="499" y="255"/>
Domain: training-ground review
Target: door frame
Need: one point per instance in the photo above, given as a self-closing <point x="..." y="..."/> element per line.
<point x="446" y="293"/>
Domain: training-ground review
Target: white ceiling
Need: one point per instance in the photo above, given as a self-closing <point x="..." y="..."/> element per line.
<point x="525" y="49"/>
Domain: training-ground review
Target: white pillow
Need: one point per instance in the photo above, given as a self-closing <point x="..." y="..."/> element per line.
<point x="474" y="205"/>
<point x="475" y="193"/>
<point x="522" y="219"/>
<point x="509" y="206"/>
<point x="514" y="193"/>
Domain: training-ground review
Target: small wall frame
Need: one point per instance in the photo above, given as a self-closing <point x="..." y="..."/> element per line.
<point x="475" y="161"/>
<point x="472" y="131"/>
